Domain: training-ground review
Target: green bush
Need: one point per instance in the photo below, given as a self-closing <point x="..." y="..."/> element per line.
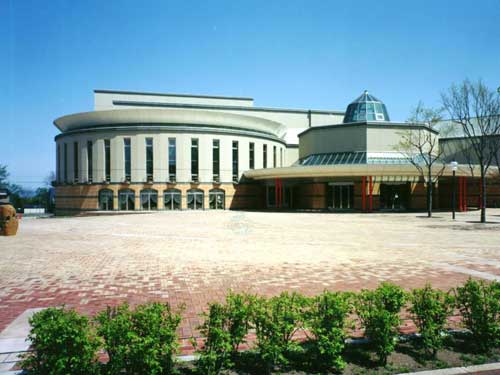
<point x="216" y="352"/>
<point x="64" y="342"/>
<point x="139" y="341"/>
<point x="430" y="309"/>
<point x="224" y="329"/>
<point x="378" y="311"/>
<point x="238" y="312"/>
<point x="327" y="320"/>
<point x="276" y="320"/>
<point x="479" y="304"/>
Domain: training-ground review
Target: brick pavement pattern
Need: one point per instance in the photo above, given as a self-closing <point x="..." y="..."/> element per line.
<point x="195" y="257"/>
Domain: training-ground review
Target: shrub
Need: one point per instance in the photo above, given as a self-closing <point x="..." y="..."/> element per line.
<point x="225" y="328"/>
<point x="430" y="309"/>
<point x="63" y="343"/>
<point x="479" y="304"/>
<point x="238" y="311"/>
<point x="216" y="352"/>
<point x="276" y="320"/>
<point x="139" y="341"/>
<point x="378" y="311"/>
<point x="327" y="322"/>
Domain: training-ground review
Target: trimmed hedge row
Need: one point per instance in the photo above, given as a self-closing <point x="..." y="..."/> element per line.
<point x="144" y="339"/>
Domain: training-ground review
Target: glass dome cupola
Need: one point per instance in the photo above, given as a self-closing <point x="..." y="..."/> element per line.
<point x="366" y="108"/>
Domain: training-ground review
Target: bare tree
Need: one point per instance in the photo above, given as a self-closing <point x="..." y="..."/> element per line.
<point x="420" y="146"/>
<point x="476" y="108"/>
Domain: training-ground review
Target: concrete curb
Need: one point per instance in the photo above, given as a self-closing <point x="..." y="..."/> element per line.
<point x="459" y="370"/>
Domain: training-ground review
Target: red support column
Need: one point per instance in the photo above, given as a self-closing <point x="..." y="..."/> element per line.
<point x="370" y="192"/>
<point x="460" y="194"/>
<point x="363" y="193"/>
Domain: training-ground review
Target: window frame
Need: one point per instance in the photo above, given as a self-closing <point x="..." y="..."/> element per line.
<point x="216" y="159"/>
<point x="251" y="155"/>
<point x="107" y="160"/>
<point x="149" y="143"/>
<point x="195" y="159"/>
<point x="127" y="193"/>
<point x="172" y="162"/>
<point x="235" y="161"/>
<point x="90" y="161"/>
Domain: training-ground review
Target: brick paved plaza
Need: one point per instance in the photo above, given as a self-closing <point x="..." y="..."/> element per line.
<point x="195" y="257"/>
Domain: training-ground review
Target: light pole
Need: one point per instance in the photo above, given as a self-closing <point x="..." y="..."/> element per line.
<point x="454" y="166"/>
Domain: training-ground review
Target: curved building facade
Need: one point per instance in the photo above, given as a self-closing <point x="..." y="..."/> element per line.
<point x="148" y="151"/>
<point x="158" y="151"/>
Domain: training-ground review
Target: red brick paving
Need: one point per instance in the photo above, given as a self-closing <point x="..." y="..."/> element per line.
<point x="192" y="258"/>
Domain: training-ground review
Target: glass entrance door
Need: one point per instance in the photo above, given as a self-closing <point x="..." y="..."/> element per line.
<point x="195" y="199"/>
<point x="341" y="197"/>
<point x="394" y="196"/>
<point x="216" y="199"/>
<point x="172" y="199"/>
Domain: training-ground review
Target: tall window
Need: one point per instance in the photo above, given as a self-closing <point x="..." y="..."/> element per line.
<point x="90" y="163"/>
<point x="58" y="150"/>
<point x="65" y="162"/>
<point x="216" y="199"/>
<point x="264" y="156"/>
<point x="105" y="200"/>
<point x="172" y="159"/>
<point x="126" y="199"/>
<point x="195" y="199"/>
<point x="194" y="159"/>
<point x="235" y="160"/>
<point x="149" y="199"/>
<point x="274" y="156"/>
<point x="75" y="162"/>
<point x="127" y="157"/>
<point x="149" y="159"/>
<point x="251" y="156"/>
<point x="216" y="159"/>
<point x="107" y="159"/>
<point x="172" y="199"/>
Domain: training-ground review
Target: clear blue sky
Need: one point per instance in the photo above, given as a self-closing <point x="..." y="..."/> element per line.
<point x="297" y="54"/>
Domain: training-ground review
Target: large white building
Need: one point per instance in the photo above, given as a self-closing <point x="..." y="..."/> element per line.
<point x="148" y="151"/>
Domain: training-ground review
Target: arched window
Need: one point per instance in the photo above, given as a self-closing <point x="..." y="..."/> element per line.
<point x="106" y="200"/>
<point x="126" y="200"/>
<point x="149" y="199"/>
<point x="195" y="199"/>
<point x="216" y="199"/>
<point x="172" y="199"/>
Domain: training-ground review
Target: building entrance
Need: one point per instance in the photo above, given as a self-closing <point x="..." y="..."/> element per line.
<point x="340" y="196"/>
<point x="395" y="197"/>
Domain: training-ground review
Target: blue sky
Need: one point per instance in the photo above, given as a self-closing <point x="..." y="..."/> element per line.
<point x="296" y="54"/>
